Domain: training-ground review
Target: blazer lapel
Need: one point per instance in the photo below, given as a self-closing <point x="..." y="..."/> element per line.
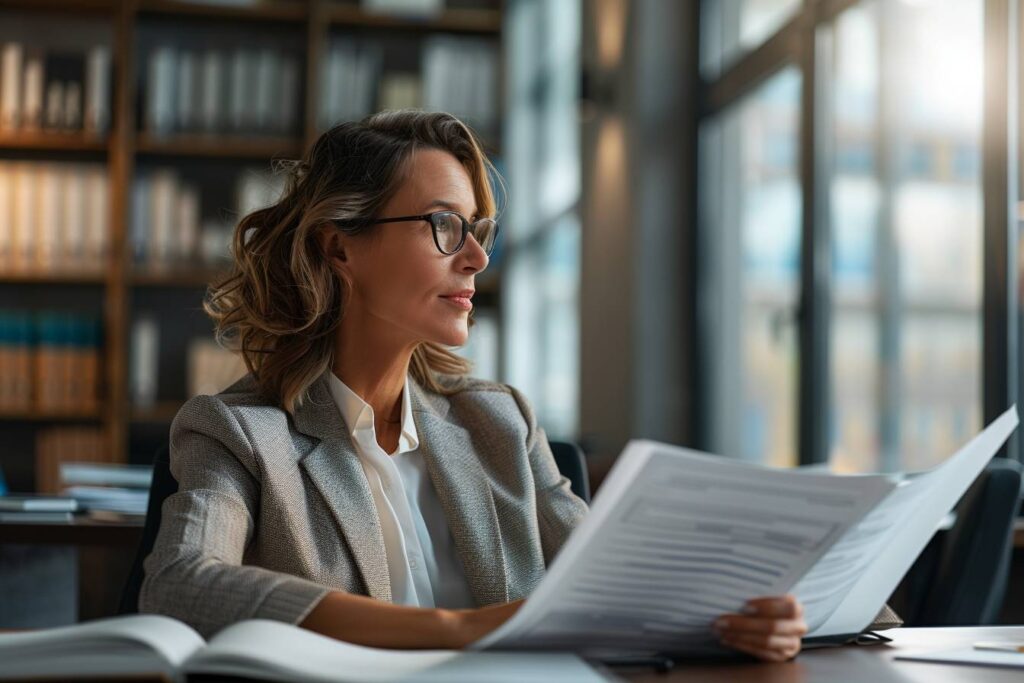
<point x="465" y="494"/>
<point x="334" y="467"/>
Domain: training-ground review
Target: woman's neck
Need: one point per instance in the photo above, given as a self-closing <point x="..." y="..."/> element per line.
<point x="374" y="366"/>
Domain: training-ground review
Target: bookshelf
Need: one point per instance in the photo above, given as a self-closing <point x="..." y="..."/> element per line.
<point x="119" y="289"/>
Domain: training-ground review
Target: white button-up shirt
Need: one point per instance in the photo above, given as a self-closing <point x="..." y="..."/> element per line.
<point x="423" y="561"/>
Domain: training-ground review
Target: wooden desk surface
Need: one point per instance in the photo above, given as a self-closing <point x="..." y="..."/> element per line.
<point x="81" y="531"/>
<point x="872" y="663"/>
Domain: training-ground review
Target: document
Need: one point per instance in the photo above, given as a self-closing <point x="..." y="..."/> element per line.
<point x="144" y="645"/>
<point x="676" y="538"/>
<point x="967" y="655"/>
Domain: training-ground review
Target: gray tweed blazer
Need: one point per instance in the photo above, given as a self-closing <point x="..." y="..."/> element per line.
<point x="273" y="511"/>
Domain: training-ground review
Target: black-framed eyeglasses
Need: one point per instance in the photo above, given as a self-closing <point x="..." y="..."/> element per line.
<point x="449" y="227"/>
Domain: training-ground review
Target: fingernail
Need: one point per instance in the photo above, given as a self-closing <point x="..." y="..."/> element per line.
<point x="720" y="624"/>
<point x="749" y="609"/>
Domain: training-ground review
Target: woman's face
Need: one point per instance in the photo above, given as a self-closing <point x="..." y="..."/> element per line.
<point x="398" y="277"/>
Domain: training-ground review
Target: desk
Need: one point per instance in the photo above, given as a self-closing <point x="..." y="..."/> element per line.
<point x="872" y="663"/>
<point x="104" y="552"/>
<point x="80" y="531"/>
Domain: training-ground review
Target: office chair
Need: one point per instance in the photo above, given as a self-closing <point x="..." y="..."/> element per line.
<point x="161" y="486"/>
<point x="573" y="466"/>
<point x="568" y="457"/>
<point x="960" y="578"/>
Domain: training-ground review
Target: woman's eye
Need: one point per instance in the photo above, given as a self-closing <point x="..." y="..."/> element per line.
<point x="447" y="223"/>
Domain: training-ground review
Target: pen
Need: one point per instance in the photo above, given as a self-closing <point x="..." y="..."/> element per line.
<point x="1002" y="647"/>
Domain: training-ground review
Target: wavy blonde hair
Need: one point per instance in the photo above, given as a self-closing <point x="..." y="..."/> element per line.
<point x="281" y="303"/>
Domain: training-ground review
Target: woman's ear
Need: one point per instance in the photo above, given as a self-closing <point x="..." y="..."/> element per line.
<point x="332" y="243"/>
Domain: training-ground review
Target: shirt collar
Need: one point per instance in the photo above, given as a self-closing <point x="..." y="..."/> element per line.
<point x="358" y="414"/>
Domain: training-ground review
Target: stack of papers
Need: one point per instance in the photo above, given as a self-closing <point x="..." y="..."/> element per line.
<point x="124" y="501"/>
<point x="37" y="509"/>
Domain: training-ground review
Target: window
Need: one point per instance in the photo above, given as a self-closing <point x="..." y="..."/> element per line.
<point x="750" y="274"/>
<point x="906" y="215"/>
<point x="890" y="97"/>
<point x="542" y="230"/>
<point x="730" y="28"/>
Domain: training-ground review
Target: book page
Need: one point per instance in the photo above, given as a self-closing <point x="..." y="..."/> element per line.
<point x="140" y="643"/>
<point x="676" y="539"/>
<point x="272" y="650"/>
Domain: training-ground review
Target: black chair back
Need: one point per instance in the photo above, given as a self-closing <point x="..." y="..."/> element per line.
<point x="960" y="579"/>
<point x="573" y="466"/>
<point x="162" y="486"/>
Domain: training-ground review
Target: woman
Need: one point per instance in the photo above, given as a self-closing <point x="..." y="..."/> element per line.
<point x="356" y="482"/>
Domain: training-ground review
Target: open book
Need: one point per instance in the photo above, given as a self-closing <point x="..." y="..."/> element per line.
<point x="258" y="648"/>
<point x="676" y="538"/>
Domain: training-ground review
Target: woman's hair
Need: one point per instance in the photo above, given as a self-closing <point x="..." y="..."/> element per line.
<point x="281" y="304"/>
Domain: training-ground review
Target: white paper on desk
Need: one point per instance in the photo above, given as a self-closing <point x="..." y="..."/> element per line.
<point x="843" y="593"/>
<point x="968" y="655"/>
<point x="675" y="539"/>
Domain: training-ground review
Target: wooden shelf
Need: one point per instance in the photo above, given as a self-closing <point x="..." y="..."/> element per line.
<point x="56" y="277"/>
<point x="176" y="278"/>
<point x="131" y="28"/>
<point x="219" y="146"/>
<point x="480" y="21"/>
<point x="295" y="12"/>
<point x="80" y="531"/>
<point x="39" y="415"/>
<point x="69" y="6"/>
<point x="52" y="141"/>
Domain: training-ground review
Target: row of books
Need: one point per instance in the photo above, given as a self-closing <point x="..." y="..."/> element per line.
<point x="167" y="227"/>
<point x="210" y="368"/>
<point x="53" y="216"/>
<point x="55" y="90"/>
<point x="242" y="91"/>
<point x="458" y="75"/>
<point x="58" y="445"/>
<point x="49" y="361"/>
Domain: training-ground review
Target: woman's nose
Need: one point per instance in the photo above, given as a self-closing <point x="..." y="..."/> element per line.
<point x="475" y="258"/>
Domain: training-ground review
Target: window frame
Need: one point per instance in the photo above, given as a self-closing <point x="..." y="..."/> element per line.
<point x="803" y="41"/>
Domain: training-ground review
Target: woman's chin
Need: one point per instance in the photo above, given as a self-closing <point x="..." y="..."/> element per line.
<point x="451" y="337"/>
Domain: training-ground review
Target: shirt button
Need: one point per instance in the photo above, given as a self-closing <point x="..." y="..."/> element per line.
<point x="413" y="564"/>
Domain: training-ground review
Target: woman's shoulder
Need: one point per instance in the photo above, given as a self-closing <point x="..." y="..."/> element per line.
<point x="238" y="403"/>
<point x="476" y="399"/>
<point x="465" y="384"/>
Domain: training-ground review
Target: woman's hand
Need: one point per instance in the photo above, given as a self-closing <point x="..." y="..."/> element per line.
<point x="769" y="628"/>
<point x="465" y="626"/>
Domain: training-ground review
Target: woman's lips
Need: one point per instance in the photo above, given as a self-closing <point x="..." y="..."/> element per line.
<point x="461" y="301"/>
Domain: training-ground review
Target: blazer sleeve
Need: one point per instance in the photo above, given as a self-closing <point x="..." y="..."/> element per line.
<point x="559" y="510"/>
<point x="195" y="571"/>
